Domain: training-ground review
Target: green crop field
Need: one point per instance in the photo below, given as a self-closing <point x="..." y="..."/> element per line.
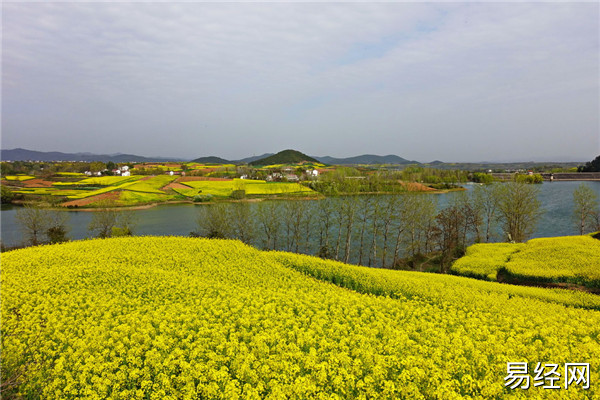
<point x="152" y="185"/>
<point x="183" y="318"/>
<point x="567" y="259"/>
<point x="107" y="180"/>
<point x="130" y="198"/>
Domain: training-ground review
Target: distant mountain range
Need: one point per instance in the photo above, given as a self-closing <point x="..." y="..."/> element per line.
<point x="285" y="157"/>
<point x="32" y="155"/>
<point x="366" y="159"/>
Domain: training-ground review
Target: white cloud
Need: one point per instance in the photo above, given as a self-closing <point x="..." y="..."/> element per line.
<point x="230" y="79"/>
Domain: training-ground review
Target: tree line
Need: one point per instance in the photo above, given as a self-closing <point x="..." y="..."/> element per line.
<point x="408" y="230"/>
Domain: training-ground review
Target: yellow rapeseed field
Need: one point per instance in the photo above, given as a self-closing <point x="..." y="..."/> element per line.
<point x="183" y="318"/>
<point x="565" y="259"/>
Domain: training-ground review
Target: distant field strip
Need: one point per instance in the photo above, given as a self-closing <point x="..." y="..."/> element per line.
<point x="19" y="177"/>
<point x="107" y="180"/>
<point x="251" y="187"/>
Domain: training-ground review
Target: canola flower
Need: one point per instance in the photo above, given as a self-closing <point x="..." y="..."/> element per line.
<point x="570" y="259"/>
<point x="183" y="318"/>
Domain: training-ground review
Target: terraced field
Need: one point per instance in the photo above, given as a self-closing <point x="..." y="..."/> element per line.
<point x="183" y="318"/>
<point x="567" y="259"/>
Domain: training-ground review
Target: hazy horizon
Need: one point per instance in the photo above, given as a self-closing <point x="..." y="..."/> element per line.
<point x="457" y="82"/>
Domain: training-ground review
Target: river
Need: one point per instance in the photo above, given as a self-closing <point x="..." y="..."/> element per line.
<point x="180" y="219"/>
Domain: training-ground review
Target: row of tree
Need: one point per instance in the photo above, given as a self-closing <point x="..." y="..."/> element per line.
<point x="380" y="230"/>
<point x="374" y="230"/>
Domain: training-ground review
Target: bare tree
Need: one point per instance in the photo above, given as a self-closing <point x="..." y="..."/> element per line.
<point x="485" y="199"/>
<point x="33" y="222"/>
<point x="103" y="221"/>
<point x="389" y="217"/>
<point x="57" y="226"/>
<point x="268" y="215"/>
<point x="417" y="213"/>
<point x="325" y="212"/>
<point x="349" y="209"/>
<point x="213" y="221"/>
<point x="109" y="220"/>
<point x="586" y="208"/>
<point x="242" y="222"/>
<point x="364" y="213"/>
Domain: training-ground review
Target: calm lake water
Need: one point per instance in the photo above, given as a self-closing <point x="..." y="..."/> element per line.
<point x="180" y="219"/>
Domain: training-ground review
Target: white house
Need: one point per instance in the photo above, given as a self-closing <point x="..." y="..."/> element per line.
<point x="125" y="173"/>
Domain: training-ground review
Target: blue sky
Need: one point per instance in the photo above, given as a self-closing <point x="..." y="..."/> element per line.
<point x="449" y="81"/>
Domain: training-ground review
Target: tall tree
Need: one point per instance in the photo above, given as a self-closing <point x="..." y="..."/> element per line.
<point x="214" y="221"/>
<point x="519" y="209"/>
<point x="242" y="222"/>
<point x="326" y="210"/>
<point x="586" y="208"/>
<point x="485" y="200"/>
<point x="268" y="215"/>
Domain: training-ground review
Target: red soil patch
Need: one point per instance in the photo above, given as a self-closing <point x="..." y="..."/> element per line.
<point x="417" y="187"/>
<point x="200" y="178"/>
<point x="175" y="185"/>
<point x="114" y="195"/>
<point x="37" y="183"/>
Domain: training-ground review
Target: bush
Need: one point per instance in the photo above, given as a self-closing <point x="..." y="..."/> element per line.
<point x="199" y="198"/>
<point x="238" y="194"/>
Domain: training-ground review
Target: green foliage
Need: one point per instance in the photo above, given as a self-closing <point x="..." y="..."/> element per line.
<point x="238" y="194"/>
<point x="529" y="178"/>
<point x="586" y="212"/>
<point x="480" y="177"/>
<point x="591" y="166"/>
<point x="519" y="209"/>
<point x="6" y="195"/>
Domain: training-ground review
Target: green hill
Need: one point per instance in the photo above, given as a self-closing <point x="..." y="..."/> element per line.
<point x="284" y="157"/>
<point x="168" y="317"/>
<point x="211" y="160"/>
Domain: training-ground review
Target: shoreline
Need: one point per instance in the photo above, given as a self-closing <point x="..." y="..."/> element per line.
<point x="319" y="196"/>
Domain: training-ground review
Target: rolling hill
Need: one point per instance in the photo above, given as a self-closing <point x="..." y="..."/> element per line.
<point x="212" y="160"/>
<point x="284" y="157"/>
<point x="185" y="318"/>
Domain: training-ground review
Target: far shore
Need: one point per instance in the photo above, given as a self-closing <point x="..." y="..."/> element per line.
<point x="227" y="200"/>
